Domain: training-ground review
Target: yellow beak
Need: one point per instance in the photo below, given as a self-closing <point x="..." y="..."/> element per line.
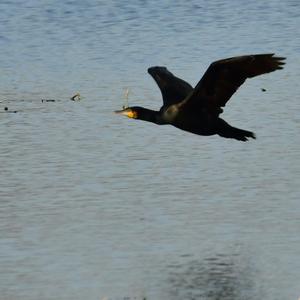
<point x="127" y="112"/>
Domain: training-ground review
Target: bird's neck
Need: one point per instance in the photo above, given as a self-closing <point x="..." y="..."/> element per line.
<point x="149" y="115"/>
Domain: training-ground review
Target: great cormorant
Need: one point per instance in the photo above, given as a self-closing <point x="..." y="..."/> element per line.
<point x="197" y="110"/>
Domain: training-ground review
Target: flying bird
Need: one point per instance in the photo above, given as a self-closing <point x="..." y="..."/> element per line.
<point x="197" y="110"/>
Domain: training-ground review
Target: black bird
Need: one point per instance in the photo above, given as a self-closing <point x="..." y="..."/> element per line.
<point x="197" y="110"/>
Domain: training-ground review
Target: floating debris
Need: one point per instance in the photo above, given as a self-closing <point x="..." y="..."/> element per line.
<point x="9" y="111"/>
<point x="263" y="90"/>
<point x="76" y="97"/>
<point x="48" y="100"/>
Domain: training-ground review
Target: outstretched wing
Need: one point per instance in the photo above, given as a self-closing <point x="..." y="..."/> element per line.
<point x="173" y="89"/>
<point x="224" y="77"/>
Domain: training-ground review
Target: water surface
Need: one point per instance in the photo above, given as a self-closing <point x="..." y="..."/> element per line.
<point x="93" y="205"/>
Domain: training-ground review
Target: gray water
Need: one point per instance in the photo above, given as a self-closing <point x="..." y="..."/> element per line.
<point x="97" y="206"/>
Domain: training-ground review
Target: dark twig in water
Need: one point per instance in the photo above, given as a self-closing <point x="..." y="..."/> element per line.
<point x="126" y="94"/>
<point x="9" y="111"/>
<point x="48" y="100"/>
<point x="75" y="97"/>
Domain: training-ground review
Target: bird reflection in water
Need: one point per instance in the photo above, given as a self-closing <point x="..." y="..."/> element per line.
<point x="215" y="278"/>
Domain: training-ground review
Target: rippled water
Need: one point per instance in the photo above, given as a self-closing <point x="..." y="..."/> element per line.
<point x="93" y="205"/>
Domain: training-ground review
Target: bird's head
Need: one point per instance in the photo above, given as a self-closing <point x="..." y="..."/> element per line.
<point x="140" y="113"/>
<point x="133" y="112"/>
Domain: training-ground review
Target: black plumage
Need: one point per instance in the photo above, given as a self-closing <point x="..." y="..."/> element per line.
<point x="197" y="110"/>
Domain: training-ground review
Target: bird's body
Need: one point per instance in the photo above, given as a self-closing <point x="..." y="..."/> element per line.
<point x="197" y="110"/>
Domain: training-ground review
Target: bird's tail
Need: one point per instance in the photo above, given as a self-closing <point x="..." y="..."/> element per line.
<point x="227" y="131"/>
